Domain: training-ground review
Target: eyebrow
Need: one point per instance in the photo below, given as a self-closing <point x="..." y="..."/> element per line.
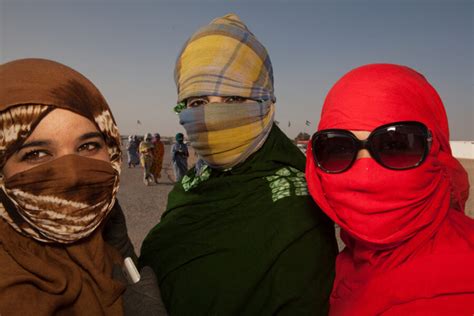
<point x="37" y="143"/>
<point x="91" y="135"/>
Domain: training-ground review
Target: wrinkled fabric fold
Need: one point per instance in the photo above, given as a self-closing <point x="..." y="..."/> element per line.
<point x="62" y="201"/>
<point x="70" y="280"/>
<point x="224" y="135"/>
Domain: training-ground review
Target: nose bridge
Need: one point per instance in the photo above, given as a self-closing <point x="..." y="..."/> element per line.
<point x="66" y="150"/>
<point x="215" y="99"/>
<point x="364" y="144"/>
<point x="364" y="148"/>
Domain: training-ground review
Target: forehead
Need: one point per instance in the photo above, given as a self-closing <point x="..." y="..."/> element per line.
<point x="62" y="124"/>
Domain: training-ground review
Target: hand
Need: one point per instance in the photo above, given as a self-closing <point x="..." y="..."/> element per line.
<point x="143" y="297"/>
<point x="115" y="232"/>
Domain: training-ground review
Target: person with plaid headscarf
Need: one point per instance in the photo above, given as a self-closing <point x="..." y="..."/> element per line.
<point x="240" y="235"/>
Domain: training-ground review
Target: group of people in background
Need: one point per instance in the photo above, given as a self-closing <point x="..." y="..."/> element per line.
<point x="148" y="153"/>
<point x="249" y="229"/>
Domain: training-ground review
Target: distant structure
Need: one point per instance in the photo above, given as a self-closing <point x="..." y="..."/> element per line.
<point x="463" y="149"/>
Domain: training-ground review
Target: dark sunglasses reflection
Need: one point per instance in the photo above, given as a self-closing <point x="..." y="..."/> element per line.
<point x="397" y="146"/>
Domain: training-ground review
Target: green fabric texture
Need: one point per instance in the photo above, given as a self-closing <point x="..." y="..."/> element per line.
<point x="247" y="241"/>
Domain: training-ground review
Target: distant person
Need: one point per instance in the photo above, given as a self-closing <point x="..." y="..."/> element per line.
<point x="240" y="235"/>
<point x="381" y="167"/>
<point x="132" y="151"/>
<point x="146" y="149"/>
<point x="179" y="157"/>
<point x="158" y="154"/>
<point x="60" y="163"/>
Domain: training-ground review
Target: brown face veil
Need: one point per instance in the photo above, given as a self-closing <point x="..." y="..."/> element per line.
<point x="75" y="193"/>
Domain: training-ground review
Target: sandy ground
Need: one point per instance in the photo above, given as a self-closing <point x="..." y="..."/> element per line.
<point x="468" y="164"/>
<point x="143" y="206"/>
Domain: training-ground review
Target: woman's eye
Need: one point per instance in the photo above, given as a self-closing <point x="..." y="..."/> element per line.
<point x="235" y="99"/>
<point x="35" y="155"/>
<point x="92" y="146"/>
<point x="196" y="102"/>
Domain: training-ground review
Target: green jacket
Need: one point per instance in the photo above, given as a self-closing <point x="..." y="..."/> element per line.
<point x="248" y="241"/>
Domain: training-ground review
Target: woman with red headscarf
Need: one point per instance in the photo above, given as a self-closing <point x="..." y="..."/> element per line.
<point x="381" y="167"/>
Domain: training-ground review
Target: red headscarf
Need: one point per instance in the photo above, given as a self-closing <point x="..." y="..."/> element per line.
<point x="410" y="248"/>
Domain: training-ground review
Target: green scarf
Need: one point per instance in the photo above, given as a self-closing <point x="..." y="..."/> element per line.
<point x="247" y="241"/>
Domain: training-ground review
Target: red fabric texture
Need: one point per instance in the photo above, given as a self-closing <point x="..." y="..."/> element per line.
<point x="410" y="248"/>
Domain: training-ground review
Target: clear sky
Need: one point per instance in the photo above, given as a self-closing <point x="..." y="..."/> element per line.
<point x="128" y="49"/>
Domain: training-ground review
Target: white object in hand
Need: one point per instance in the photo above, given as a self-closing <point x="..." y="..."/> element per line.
<point x="131" y="270"/>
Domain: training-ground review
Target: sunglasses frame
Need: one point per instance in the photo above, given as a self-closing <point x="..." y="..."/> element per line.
<point x="367" y="144"/>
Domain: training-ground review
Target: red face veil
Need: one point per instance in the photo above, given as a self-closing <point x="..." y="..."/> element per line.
<point x="373" y="204"/>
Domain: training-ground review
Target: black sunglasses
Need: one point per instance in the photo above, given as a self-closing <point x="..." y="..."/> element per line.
<point x="396" y="146"/>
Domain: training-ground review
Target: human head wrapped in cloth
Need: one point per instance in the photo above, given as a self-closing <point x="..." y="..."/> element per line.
<point x="362" y="100"/>
<point x="67" y="199"/>
<point x="225" y="59"/>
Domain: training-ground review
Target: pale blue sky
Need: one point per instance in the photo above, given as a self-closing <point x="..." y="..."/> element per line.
<point x="128" y="49"/>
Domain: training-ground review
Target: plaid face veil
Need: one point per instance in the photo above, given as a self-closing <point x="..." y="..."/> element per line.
<point x="67" y="199"/>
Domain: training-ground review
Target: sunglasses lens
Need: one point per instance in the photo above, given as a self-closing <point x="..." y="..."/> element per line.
<point x="334" y="152"/>
<point x="400" y="146"/>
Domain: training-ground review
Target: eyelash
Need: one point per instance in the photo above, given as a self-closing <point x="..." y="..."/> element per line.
<point x="33" y="154"/>
<point x="96" y="145"/>
<point x="30" y="155"/>
<point x="197" y="102"/>
<point x="203" y="101"/>
<point x="235" y="99"/>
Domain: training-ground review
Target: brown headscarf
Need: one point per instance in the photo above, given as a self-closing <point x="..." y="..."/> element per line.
<point x="50" y="278"/>
<point x="50" y="85"/>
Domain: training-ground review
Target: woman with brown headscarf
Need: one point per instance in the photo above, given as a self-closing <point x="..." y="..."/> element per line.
<point x="60" y="164"/>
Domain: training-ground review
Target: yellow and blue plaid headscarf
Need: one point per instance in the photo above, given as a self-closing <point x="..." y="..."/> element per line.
<point x="224" y="58"/>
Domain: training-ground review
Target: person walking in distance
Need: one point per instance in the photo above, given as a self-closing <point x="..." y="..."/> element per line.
<point x="146" y="151"/>
<point x="158" y="154"/>
<point x="132" y="152"/>
<point x="179" y="157"/>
